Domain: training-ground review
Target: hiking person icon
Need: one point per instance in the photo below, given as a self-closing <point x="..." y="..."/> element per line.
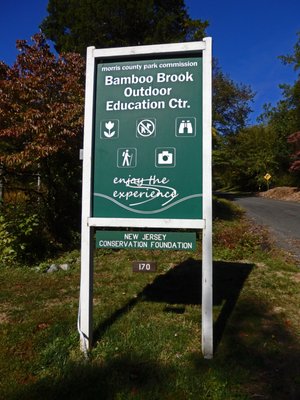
<point x="126" y="158"/>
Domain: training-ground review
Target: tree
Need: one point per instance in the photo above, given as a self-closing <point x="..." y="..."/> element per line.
<point x="230" y="110"/>
<point x="284" y="119"/>
<point x="292" y="94"/>
<point x="75" y="24"/>
<point x="281" y="120"/>
<point x="231" y="103"/>
<point x="294" y="140"/>
<point x="245" y="158"/>
<point x="41" y="133"/>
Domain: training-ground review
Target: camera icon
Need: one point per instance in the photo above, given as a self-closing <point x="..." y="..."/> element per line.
<point x="165" y="157"/>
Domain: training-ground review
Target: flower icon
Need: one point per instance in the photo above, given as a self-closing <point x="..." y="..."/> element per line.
<point x="109" y="126"/>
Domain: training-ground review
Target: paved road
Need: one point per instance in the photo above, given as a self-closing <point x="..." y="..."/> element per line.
<point x="281" y="217"/>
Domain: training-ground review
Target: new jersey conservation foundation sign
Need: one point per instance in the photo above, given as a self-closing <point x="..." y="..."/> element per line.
<point x="148" y="138"/>
<point x="146" y="240"/>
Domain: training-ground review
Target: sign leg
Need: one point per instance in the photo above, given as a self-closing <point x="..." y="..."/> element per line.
<point x="85" y="317"/>
<point x="207" y="294"/>
<point x="207" y="281"/>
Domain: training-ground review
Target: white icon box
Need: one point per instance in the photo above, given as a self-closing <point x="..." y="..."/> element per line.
<point x="127" y="157"/>
<point x="185" y="127"/>
<point x="109" y="129"/>
<point x="145" y="127"/>
<point x="165" y="157"/>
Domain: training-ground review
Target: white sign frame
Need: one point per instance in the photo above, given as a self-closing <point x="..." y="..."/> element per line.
<point x="85" y="320"/>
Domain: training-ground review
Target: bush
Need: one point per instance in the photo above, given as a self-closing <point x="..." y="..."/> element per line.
<point x="239" y="239"/>
<point x="8" y="254"/>
<point x="287" y="180"/>
<point x="23" y="238"/>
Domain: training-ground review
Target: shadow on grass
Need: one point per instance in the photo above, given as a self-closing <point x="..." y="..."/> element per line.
<point x="182" y="286"/>
<point x="258" y="354"/>
<point x="260" y="351"/>
<point x="124" y="377"/>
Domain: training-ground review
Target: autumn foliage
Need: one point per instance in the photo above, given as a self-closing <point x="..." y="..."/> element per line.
<point x="294" y="140"/>
<point x="41" y="120"/>
<point x="41" y="104"/>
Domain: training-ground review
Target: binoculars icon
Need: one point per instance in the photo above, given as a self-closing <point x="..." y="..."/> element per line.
<point x="185" y="127"/>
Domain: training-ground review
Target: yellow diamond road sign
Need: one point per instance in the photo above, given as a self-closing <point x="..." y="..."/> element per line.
<point x="267" y="177"/>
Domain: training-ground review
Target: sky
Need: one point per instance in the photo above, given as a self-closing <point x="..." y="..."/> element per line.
<point x="248" y="36"/>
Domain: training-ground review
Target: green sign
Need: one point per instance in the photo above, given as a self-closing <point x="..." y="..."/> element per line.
<point x="146" y="240"/>
<point x="147" y="158"/>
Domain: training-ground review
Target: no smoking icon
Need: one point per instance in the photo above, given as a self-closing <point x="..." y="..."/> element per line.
<point x="146" y="127"/>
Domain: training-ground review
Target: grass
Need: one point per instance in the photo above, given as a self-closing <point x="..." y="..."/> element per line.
<point x="147" y="329"/>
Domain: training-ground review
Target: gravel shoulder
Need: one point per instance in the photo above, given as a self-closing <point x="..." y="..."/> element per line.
<point x="284" y="193"/>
